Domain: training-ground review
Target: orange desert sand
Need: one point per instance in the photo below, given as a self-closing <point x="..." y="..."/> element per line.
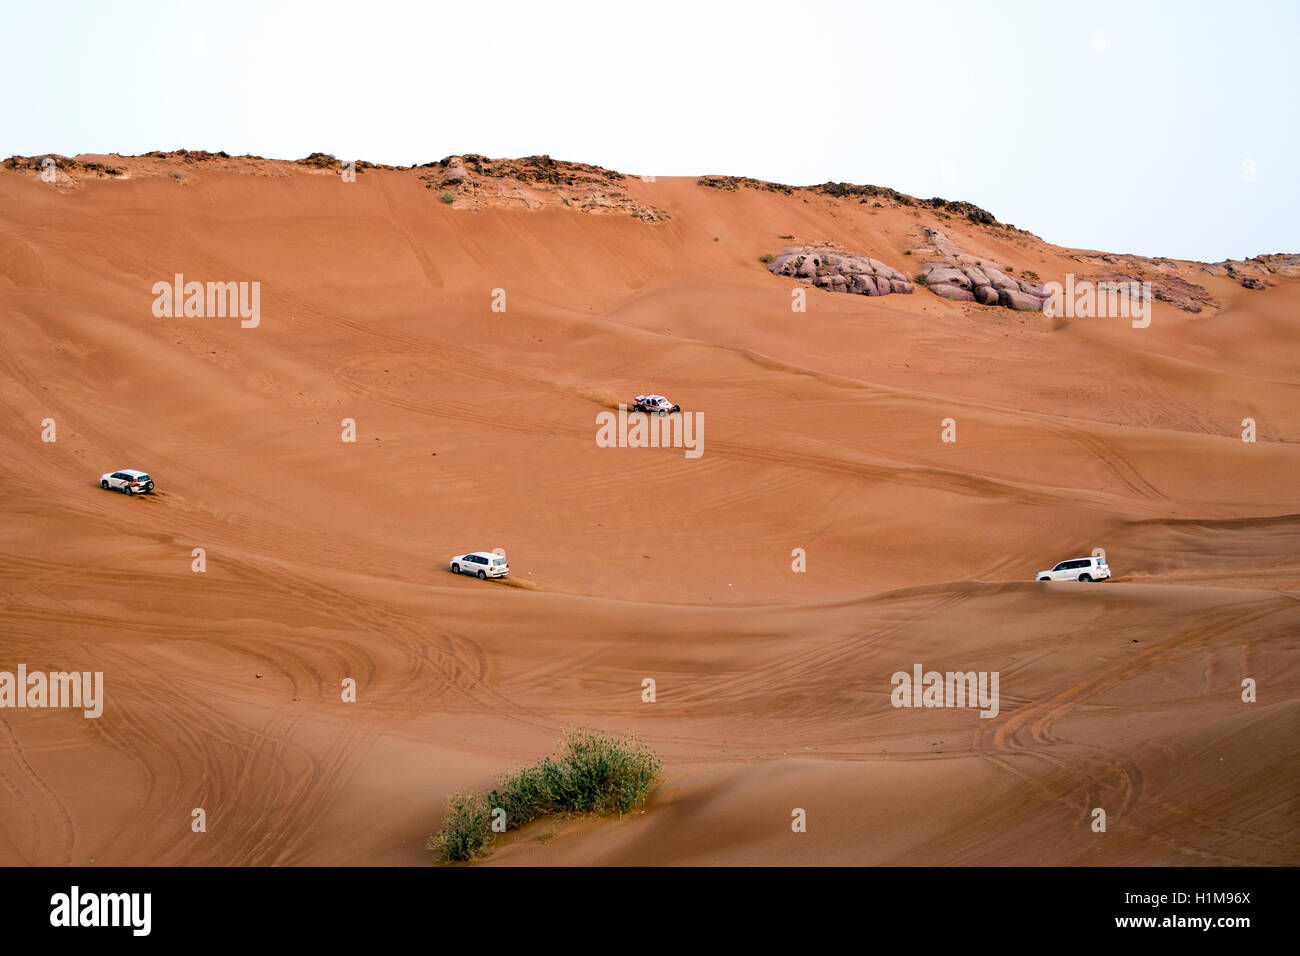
<point x="476" y="429"/>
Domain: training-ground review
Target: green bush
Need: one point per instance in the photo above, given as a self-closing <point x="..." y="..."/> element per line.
<point x="467" y="828"/>
<point x="593" y="773"/>
<point x="766" y="257"/>
<point x="448" y="198"/>
<point x="920" y="279"/>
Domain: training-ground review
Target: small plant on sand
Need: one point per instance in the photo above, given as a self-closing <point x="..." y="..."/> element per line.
<point x="920" y="279"/>
<point x="467" y="828"/>
<point x="788" y="235"/>
<point x="448" y="198"/>
<point x="907" y="252"/>
<point x="593" y="773"/>
<point x="766" y="257"/>
<point x="1030" y="274"/>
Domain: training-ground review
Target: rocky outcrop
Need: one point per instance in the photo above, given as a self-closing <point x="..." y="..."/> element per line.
<point x="63" y="164"/>
<point x="875" y="195"/>
<point x="829" y="268"/>
<point x="1167" y="277"/>
<point x="732" y="183"/>
<point x="951" y="274"/>
<point x="534" y="182"/>
<point x="1258" y="272"/>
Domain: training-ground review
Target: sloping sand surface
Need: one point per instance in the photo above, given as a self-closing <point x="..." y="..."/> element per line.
<point x="476" y="429"/>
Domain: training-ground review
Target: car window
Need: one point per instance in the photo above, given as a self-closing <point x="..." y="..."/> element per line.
<point x="499" y="561"/>
<point x="1062" y="566"/>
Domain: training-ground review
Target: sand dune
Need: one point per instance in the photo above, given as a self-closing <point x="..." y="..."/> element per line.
<point x="476" y="429"/>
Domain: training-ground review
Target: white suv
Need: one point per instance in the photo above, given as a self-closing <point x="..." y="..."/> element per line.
<point x="131" y="481"/>
<point x="1078" y="569"/>
<point x="483" y="563"/>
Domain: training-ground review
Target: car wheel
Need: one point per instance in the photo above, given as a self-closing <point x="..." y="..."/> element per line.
<point x="482" y="575"/>
<point x="455" y="569"/>
<point x="1044" y="579"/>
<point x="1085" y="577"/>
<point x="149" y="487"/>
<point x="104" y="485"/>
<point x="662" y="413"/>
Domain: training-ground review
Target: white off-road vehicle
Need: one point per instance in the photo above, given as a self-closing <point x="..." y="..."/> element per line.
<point x="1077" y="569"/>
<point x="655" y="405"/>
<point x="130" y="480"/>
<point x="485" y="564"/>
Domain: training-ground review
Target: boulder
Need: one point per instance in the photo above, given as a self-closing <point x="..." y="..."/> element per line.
<point x="782" y="265"/>
<point x="948" y="290"/>
<point x="946" y="275"/>
<point x="1020" y="301"/>
<point x="863" y="285"/>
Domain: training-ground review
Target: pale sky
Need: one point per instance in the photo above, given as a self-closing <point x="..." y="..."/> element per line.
<point x="1160" y="128"/>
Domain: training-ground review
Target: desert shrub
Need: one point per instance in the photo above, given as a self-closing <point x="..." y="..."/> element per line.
<point x="907" y="252"/>
<point x="766" y="257"/>
<point x="593" y="773"/>
<point x="788" y="235"/>
<point x="467" y="828"/>
<point x="602" y="774"/>
<point x="448" y="198"/>
<point x="920" y="279"/>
